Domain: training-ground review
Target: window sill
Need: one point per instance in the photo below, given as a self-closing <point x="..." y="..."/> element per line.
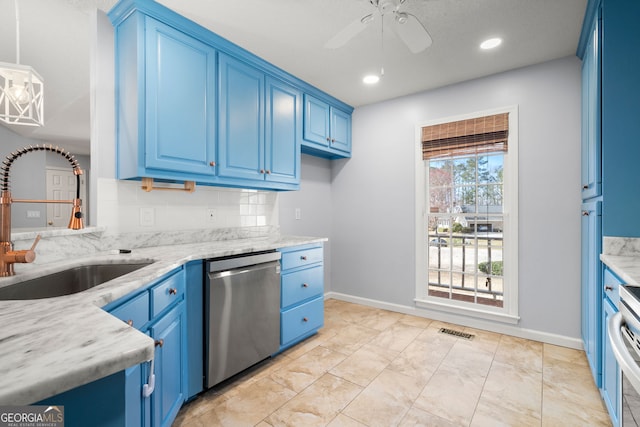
<point x="476" y="312"/>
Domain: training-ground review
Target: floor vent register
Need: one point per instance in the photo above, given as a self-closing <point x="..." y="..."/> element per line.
<point x="455" y="333"/>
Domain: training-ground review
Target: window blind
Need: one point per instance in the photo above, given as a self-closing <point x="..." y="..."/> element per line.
<point x="477" y="135"/>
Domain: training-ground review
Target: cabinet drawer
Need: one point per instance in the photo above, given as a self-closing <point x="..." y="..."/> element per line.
<point x="301" y="258"/>
<point x="135" y="312"/>
<point x="301" y="285"/>
<point x="167" y="292"/>
<point x="611" y="287"/>
<point x="301" y="320"/>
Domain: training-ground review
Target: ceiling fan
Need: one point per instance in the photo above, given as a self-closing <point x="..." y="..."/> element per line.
<point x="405" y="25"/>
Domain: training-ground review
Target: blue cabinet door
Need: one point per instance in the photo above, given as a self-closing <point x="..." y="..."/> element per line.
<point x="591" y="120"/>
<point x="340" y="130"/>
<point x="592" y="293"/>
<point x="241" y="125"/>
<point x="283" y="132"/>
<point x="611" y="375"/>
<point x="169" y="394"/>
<point x="180" y="101"/>
<point x="316" y="121"/>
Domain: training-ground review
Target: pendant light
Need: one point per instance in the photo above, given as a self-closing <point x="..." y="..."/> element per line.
<point x="21" y="89"/>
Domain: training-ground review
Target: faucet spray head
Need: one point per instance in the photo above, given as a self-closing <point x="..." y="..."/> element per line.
<point x="76" y="223"/>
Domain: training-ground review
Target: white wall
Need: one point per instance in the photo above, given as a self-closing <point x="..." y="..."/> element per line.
<point x="372" y="194"/>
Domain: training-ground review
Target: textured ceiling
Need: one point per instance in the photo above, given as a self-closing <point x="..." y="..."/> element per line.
<point x="291" y="34"/>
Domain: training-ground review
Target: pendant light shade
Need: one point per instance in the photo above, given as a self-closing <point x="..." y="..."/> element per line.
<point x="21" y="95"/>
<point x="21" y="89"/>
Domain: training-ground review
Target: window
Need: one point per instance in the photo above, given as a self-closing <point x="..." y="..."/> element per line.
<point x="467" y="240"/>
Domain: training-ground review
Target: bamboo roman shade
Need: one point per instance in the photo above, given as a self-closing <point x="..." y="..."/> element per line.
<point x="477" y="135"/>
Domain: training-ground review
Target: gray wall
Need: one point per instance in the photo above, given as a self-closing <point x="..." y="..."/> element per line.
<point x="372" y="197"/>
<point x="314" y="202"/>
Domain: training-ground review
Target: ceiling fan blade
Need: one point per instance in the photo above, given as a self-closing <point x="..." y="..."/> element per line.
<point x="349" y="32"/>
<point x="411" y="32"/>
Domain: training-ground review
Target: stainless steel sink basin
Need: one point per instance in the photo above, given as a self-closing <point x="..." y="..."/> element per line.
<point x="67" y="282"/>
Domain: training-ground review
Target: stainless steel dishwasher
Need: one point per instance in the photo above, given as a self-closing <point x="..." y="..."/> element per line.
<point x="242" y="313"/>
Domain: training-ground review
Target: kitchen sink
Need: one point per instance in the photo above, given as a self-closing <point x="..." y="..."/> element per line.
<point x="67" y="282"/>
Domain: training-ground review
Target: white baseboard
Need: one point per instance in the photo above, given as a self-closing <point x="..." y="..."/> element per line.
<point x="500" y="328"/>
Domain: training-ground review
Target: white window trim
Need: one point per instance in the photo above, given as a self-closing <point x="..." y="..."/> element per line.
<point x="509" y="312"/>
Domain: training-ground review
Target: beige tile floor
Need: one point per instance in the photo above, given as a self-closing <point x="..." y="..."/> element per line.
<point x="371" y="367"/>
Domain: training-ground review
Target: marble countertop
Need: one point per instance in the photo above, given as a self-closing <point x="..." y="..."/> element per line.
<point x="51" y="345"/>
<point x="625" y="267"/>
<point x="622" y="256"/>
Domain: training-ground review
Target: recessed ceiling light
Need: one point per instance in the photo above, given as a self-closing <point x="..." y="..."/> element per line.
<point x="371" y="79"/>
<point x="491" y="43"/>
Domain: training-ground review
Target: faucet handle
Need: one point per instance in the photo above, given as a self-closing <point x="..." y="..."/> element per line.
<point x="35" y="242"/>
<point x="26" y="256"/>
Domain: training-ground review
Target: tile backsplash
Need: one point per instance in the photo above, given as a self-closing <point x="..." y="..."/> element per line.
<point x="123" y="206"/>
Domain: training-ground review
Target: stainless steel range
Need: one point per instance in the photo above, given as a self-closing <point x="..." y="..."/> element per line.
<point x="624" y="335"/>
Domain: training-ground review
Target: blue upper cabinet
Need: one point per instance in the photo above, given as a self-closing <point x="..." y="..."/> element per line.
<point x="259" y="125"/>
<point x="241" y="120"/>
<point x="283" y="132"/>
<point x="180" y="115"/>
<point x="327" y="129"/>
<point x="192" y="106"/>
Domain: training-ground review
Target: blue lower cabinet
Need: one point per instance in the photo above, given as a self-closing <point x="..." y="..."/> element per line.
<point x="170" y="370"/>
<point x="301" y="321"/>
<point x="194" y="321"/>
<point x="611" y="375"/>
<point x="302" y="293"/>
<point x="102" y="403"/>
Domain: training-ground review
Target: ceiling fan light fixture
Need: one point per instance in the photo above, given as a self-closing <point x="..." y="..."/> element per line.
<point x="371" y="79"/>
<point x="491" y="43"/>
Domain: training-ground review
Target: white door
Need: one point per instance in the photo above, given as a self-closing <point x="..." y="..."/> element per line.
<point x="61" y="185"/>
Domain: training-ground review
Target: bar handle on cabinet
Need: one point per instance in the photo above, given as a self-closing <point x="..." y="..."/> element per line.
<point x="608" y="288"/>
<point x="585" y="213"/>
<point x="148" y="388"/>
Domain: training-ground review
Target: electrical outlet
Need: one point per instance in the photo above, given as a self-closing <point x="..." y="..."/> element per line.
<point x="298" y="214"/>
<point x="33" y="214"/>
<point x="147" y="217"/>
<point x="211" y="215"/>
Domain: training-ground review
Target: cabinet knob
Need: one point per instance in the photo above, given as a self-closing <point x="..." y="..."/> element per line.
<point x="304" y="285"/>
<point x="585" y="213"/>
<point x="585" y="187"/>
<point x="304" y="319"/>
<point x="130" y="322"/>
<point x="212" y="163"/>
<point x="608" y="288"/>
<point x="268" y="172"/>
<point x="333" y="140"/>
<point x="328" y="139"/>
<point x="303" y="257"/>
<point x="173" y="291"/>
<point x="159" y="343"/>
<point x="261" y="170"/>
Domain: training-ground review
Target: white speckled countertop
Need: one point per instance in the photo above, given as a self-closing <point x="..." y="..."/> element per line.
<point x="51" y="345"/>
<point x="622" y="256"/>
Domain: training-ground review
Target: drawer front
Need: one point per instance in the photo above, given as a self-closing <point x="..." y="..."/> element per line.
<point x="301" y="258"/>
<point x="301" y="320"/>
<point x="135" y="312"/>
<point x="611" y="287"/>
<point x="167" y="292"/>
<point x="301" y="285"/>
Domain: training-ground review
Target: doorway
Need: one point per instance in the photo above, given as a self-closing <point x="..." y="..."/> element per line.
<point x="61" y="185"/>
